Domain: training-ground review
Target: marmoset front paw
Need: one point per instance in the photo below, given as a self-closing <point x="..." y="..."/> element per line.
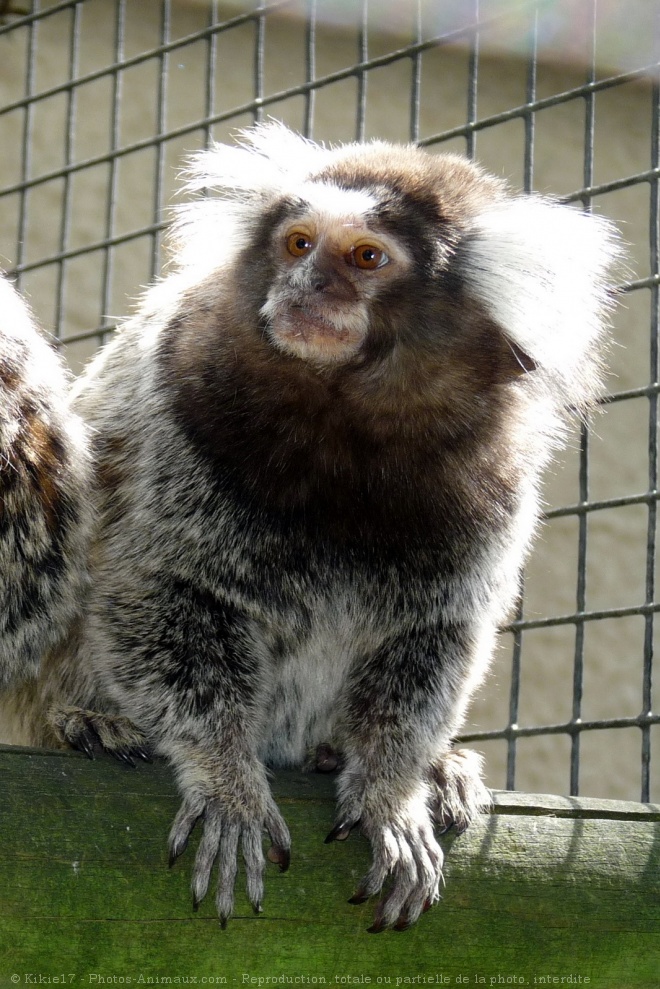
<point x="222" y="831"/>
<point x="404" y="851"/>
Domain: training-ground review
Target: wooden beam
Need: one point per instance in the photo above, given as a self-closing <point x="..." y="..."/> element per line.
<point x="544" y="891"/>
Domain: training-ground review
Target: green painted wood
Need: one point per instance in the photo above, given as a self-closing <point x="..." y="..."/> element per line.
<point x="542" y="889"/>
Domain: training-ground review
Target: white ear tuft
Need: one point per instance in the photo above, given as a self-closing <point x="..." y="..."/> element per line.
<point x="540" y="269"/>
<point x="269" y="159"/>
<point x="270" y="162"/>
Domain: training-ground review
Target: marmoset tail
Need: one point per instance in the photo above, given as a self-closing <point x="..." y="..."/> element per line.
<point x="318" y="448"/>
<point x="44" y="496"/>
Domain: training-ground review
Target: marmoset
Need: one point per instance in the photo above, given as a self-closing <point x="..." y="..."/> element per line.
<point x="317" y="453"/>
<point x="44" y="497"/>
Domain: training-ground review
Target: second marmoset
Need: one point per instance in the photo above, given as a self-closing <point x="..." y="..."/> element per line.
<point x="318" y="447"/>
<point x="44" y="501"/>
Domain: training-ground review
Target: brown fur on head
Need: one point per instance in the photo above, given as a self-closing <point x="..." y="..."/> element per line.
<point x="457" y="243"/>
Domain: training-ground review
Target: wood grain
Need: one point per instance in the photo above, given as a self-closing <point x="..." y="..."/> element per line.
<point x="544" y="888"/>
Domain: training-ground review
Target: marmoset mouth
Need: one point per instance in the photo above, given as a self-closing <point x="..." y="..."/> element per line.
<point x="303" y="322"/>
<point x="309" y="334"/>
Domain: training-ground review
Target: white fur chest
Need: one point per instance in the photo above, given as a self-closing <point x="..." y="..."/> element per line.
<point x="308" y="684"/>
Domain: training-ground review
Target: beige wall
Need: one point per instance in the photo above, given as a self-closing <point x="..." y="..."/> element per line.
<point x="75" y="213"/>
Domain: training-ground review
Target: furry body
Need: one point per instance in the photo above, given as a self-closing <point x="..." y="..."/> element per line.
<point x="44" y="507"/>
<point x="317" y="453"/>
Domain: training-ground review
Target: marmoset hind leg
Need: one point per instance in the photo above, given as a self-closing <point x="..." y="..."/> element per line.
<point x="26" y="706"/>
<point x="458" y="793"/>
<point x="88" y="730"/>
<point x="37" y="711"/>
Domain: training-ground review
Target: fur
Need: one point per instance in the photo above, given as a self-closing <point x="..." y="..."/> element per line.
<point x="316" y="483"/>
<point x="44" y="496"/>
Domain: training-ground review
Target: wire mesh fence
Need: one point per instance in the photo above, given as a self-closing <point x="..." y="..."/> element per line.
<point x="100" y="101"/>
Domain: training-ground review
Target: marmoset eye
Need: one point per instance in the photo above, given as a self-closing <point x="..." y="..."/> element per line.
<point x="367" y="257"/>
<point x="298" y="244"/>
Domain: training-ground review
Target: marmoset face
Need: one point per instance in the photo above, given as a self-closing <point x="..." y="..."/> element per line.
<point x="332" y="262"/>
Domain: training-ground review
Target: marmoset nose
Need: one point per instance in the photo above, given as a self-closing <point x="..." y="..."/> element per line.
<point x="326" y="275"/>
